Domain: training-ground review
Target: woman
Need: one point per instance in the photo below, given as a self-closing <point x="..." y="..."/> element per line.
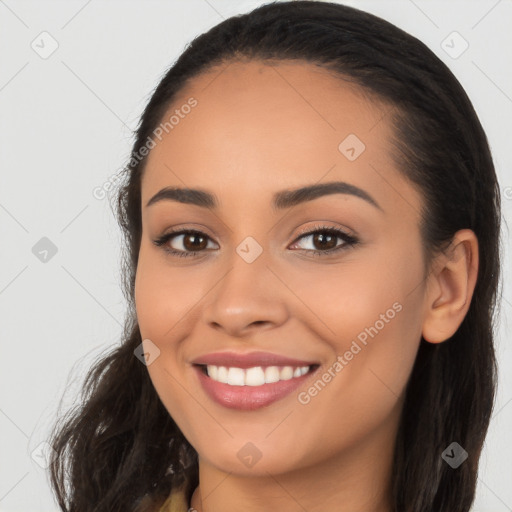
<point x="312" y="217"/>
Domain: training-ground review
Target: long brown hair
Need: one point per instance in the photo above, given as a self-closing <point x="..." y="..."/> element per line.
<point x="120" y="450"/>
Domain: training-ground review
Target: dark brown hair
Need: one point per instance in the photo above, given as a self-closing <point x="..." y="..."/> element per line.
<point x="120" y="450"/>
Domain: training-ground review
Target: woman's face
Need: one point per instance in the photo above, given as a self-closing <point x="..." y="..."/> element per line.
<point x="246" y="134"/>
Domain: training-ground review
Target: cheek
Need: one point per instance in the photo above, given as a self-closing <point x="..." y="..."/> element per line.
<point x="166" y="302"/>
<point x="341" y="302"/>
<point x="159" y="307"/>
<point x="164" y="295"/>
<point x="367" y="377"/>
<point x="369" y="313"/>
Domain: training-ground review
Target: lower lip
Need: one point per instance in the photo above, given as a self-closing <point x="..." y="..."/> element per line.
<point x="249" y="398"/>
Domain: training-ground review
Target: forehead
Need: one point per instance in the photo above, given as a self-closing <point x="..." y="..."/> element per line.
<point x="258" y="127"/>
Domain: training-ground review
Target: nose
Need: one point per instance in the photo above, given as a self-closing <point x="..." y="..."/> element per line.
<point x="248" y="297"/>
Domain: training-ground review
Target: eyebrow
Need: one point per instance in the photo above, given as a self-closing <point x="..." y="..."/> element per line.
<point x="281" y="200"/>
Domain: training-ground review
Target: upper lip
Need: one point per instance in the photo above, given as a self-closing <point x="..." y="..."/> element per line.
<point x="237" y="360"/>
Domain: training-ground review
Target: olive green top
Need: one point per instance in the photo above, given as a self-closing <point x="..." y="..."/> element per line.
<point x="176" y="502"/>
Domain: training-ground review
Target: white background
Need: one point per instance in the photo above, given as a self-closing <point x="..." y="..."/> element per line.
<point x="66" y="127"/>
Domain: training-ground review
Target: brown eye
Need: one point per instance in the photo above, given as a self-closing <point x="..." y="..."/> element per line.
<point x="194" y="241"/>
<point x="186" y="242"/>
<point x="324" y="241"/>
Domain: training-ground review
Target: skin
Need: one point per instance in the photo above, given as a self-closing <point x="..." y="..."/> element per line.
<point x="258" y="129"/>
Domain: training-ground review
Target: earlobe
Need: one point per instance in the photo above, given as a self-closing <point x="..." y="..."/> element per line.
<point x="450" y="287"/>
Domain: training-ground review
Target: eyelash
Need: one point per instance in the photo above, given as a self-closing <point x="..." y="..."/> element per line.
<point x="350" y="241"/>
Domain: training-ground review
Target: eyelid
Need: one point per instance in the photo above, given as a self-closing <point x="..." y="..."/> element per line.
<point x="199" y="228"/>
<point x="318" y="227"/>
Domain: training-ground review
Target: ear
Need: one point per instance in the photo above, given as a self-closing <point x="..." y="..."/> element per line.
<point x="450" y="287"/>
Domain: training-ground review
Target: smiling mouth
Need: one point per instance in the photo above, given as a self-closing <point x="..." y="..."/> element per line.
<point x="256" y="375"/>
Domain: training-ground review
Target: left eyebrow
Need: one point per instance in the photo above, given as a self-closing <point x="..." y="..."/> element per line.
<point x="289" y="198"/>
<point x="281" y="200"/>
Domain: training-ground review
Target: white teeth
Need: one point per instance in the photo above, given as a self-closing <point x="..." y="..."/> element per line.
<point x="286" y="373"/>
<point x="271" y="374"/>
<point x="236" y="377"/>
<point x="222" y="374"/>
<point x="254" y="376"/>
<point x="213" y="372"/>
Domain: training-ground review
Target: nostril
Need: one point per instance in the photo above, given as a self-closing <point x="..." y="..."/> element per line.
<point x="259" y="322"/>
